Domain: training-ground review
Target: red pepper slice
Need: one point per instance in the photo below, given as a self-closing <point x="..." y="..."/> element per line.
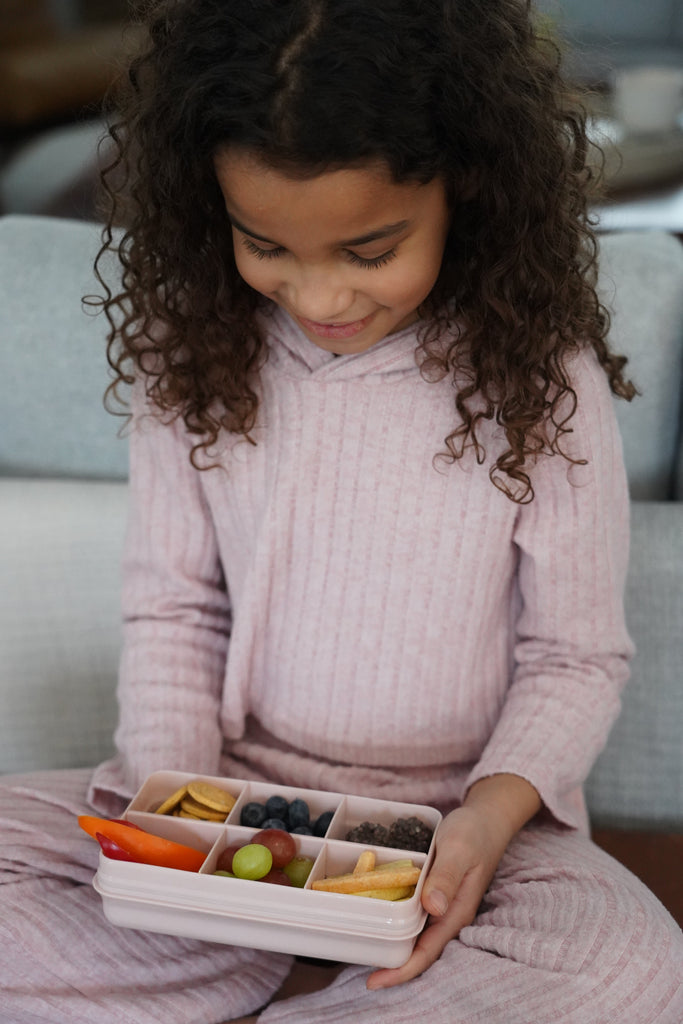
<point x="144" y="846"/>
<point x="113" y="850"/>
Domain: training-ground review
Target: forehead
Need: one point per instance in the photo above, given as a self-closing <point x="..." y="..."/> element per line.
<point x="336" y="204"/>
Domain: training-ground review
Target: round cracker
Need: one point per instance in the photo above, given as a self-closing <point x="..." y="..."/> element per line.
<point x="172" y="802"/>
<point x="211" y="796"/>
<point x="198" y="810"/>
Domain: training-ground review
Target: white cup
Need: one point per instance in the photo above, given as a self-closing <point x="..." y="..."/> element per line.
<point x="648" y="99"/>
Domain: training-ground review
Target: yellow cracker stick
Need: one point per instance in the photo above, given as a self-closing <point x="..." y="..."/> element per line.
<point x="392" y="865"/>
<point x="399" y="892"/>
<point x="368" y="881"/>
<point x="365" y="862"/>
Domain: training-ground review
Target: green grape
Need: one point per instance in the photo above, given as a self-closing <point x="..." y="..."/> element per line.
<point x="252" y="861"/>
<point x="298" y="870"/>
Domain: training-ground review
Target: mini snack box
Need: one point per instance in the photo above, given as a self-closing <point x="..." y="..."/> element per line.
<point x="302" y="921"/>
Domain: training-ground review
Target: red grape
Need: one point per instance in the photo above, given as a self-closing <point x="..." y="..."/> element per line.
<point x="224" y="862"/>
<point x="280" y="844"/>
<point x="277" y="876"/>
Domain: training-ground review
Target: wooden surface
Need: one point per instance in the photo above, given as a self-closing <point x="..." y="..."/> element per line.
<point x="656" y="858"/>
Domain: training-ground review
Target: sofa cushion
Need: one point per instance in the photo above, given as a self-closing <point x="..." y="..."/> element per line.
<point x="71" y="154"/>
<point x="638" y="779"/>
<point x="641" y="282"/>
<point x="60" y="548"/>
<point x="53" y="368"/>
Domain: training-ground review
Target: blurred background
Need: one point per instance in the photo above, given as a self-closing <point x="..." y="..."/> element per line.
<point x="606" y="34"/>
<point x="58" y="59"/>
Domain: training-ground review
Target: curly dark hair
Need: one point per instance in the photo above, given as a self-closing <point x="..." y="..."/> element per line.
<point x="452" y="88"/>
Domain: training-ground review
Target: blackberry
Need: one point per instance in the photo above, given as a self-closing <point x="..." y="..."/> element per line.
<point x="410" y="834"/>
<point x="370" y="834"/>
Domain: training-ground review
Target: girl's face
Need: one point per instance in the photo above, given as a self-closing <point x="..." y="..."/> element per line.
<point x="349" y="254"/>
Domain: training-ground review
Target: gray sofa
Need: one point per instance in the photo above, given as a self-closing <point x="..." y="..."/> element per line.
<point x="62" y="517"/>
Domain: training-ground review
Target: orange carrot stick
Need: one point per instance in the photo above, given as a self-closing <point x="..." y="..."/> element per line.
<point x="143" y="846"/>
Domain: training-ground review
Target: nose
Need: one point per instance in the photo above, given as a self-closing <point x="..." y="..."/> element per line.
<point x="320" y="294"/>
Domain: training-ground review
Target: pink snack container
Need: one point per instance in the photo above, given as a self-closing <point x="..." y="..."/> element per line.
<point x="302" y="921"/>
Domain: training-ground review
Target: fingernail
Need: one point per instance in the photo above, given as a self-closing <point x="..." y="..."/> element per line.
<point x="438" y="902"/>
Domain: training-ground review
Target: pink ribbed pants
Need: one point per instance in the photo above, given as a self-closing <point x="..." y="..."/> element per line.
<point x="566" y="935"/>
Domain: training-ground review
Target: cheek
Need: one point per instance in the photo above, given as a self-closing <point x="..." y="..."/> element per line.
<point x="258" y="274"/>
<point x="411" y="286"/>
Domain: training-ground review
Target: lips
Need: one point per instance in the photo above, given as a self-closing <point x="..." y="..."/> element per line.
<point x="335" y="330"/>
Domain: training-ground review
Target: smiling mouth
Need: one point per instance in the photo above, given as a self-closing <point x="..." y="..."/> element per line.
<point x="336" y="330"/>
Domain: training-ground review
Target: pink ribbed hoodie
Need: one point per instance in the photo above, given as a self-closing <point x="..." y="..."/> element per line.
<point x="334" y="608"/>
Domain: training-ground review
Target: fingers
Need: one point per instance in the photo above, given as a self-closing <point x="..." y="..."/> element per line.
<point x="433" y="940"/>
<point x="464" y="863"/>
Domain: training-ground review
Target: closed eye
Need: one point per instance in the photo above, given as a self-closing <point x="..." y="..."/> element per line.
<point x="376" y="261"/>
<point x="259" y="253"/>
<point x="353" y="257"/>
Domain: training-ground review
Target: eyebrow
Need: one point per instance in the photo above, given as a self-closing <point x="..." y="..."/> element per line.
<point x="372" y="236"/>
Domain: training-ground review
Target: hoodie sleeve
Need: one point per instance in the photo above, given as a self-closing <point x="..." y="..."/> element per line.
<point x="572" y="648"/>
<point x="176" y="614"/>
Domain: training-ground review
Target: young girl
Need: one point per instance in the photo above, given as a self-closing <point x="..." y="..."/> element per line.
<point x="378" y="524"/>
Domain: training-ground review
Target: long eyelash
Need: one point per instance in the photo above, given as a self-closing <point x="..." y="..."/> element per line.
<point x="261" y="254"/>
<point x="359" y="261"/>
<point x="378" y="261"/>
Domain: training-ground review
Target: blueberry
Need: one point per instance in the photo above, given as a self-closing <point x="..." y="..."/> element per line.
<point x="299" y="814"/>
<point x="275" y="823"/>
<point x="253" y="815"/>
<point x="322" y="823"/>
<point x="302" y="830"/>
<point x="277" y="807"/>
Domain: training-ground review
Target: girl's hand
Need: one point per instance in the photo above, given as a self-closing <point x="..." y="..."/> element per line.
<point x="469" y="845"/>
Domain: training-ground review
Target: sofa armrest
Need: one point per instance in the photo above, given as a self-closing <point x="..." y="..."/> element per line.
<point x="638" y="779"/>
<point x="60" y="549"/>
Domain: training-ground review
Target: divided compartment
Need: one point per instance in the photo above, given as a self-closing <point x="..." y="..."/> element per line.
<point x="306" y="846"/>
<point x="340" y="858"/>
<point x="356" y="809"/>
<point x="202" y="835"/>
<point x="263" y="915"/>
<point x="319" y="801"/>
<point x="159" y="786"/>
<point x="162" y="784"/>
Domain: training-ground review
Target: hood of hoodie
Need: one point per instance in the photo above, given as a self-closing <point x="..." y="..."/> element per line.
<point x="292" y="354"/>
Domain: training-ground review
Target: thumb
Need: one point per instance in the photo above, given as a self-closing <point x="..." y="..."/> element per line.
<point x="441" y="885"/>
